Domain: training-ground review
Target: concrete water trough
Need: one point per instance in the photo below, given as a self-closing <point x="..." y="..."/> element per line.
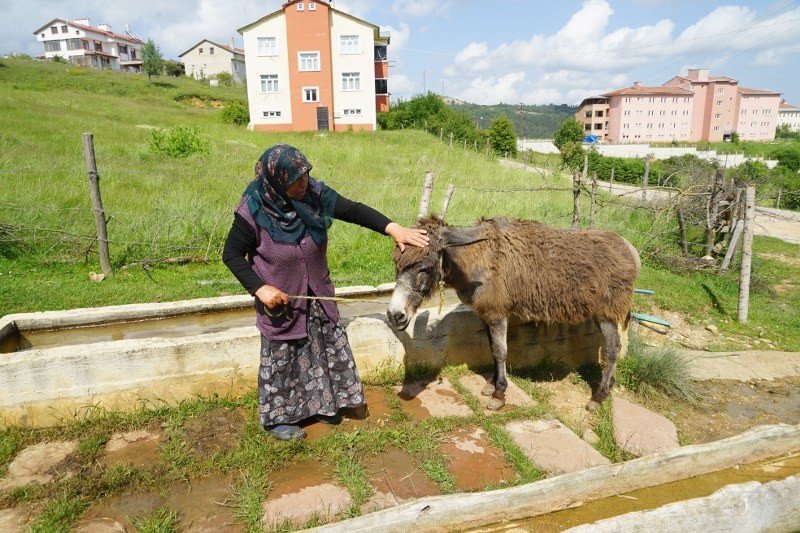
<point x="56" y="366"/>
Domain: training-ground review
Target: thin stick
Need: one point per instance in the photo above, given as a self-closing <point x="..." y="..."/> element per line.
<point x="747" y="253"/>
<point x="427" y="190"/>
<point x="446" y="203"/>
<point x="97" y="203"/>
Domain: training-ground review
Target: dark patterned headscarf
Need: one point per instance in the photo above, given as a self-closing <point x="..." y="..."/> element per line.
<point x="285" y="219"/>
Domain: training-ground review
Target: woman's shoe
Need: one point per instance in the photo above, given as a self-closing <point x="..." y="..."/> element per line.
<point x="329" y="419"/>
<point x="285" y="432"/>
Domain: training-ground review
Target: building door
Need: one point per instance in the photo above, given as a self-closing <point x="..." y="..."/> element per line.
<point x="322" y="119"/>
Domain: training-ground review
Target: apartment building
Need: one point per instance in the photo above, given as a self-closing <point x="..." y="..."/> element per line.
<point x="98" y="47"/>
<point x="313" y="67"/>
<point x="207" y="58"/>
<point x="789" y="115"/>
<point x="695" y="107"/>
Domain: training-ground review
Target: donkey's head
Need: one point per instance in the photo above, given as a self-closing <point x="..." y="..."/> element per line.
<point x="418" y="270"/>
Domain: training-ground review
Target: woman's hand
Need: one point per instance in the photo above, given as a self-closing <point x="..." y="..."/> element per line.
<point x="271" y="296"/>
<point x="402" y="236"/>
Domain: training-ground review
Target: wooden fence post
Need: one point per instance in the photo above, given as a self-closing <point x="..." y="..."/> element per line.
<point x="646" y="178"/>
<point x="592" y="196"/>
<point x="713" y="212"/>
<point x="487" y="148"/>
<point x="451" y="139"/>
<point x="427" y="190"/>
<point x="97" y="203"/>
<point x="585" y="172"/>
<point x="446" y="203"/>
<point x="611" y="183"/>
<point x="747" y="252"/>
<point x="576" y="194"/>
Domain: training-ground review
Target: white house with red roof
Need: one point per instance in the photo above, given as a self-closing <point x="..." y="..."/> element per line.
<point x="789" y="115"/>
<point x="98" y="47"/>
<point x="208" y="58"/>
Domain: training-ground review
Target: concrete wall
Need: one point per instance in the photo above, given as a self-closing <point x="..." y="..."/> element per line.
<point x="41" y="387"/>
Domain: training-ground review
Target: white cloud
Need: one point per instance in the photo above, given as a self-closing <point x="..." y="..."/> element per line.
<point x="398" y="36"/>
<point x="402" y="87"/>
<point x="588" y="56"/>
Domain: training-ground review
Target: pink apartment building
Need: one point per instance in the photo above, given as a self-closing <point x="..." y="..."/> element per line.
<point x="695" y="107"/>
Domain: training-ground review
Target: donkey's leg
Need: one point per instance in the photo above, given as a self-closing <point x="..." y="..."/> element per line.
<point x="488" y="389"/>
<point x="499" y="329"/>
<point x="613" y="345"/>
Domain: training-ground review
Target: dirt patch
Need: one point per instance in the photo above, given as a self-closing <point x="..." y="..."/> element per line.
<point x="213" y="432"/>
<point x="202" y="504"/>
<point x="782" y="258"/>
<point x="569" y="399"/>
<point x="202" y="102"/>
<point x="728" y="408"/>
<point x="474" y="461"/>
<point x="397" y="474"/>
<point x="298" y="476"/>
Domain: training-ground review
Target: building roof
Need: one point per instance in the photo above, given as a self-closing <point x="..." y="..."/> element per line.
<point x="785" y="106"/>
<point x="641" y="90"/>
<point x="230" y="49"/>
<point x="710" y="79"/>
<point x="378" y="34"/>
<point x="92" y="29"/>
<point x="747" y="90"/>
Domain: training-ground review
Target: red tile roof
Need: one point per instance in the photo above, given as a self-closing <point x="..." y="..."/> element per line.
<point x="746" y="90"/>
<point x="785" y="105"/>
<point x="233" y="50"/>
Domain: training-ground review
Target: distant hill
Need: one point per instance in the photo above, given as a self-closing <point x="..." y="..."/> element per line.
<point x="539" y="121"/>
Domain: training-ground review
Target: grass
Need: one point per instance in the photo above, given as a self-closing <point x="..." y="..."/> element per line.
<point x="161" y="520"/>
<point x="647" y="371"/>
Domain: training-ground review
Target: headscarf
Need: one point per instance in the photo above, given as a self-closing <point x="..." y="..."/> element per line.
<point x="288" y="220"/>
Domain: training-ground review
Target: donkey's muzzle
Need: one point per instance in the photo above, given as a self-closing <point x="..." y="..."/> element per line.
<point x="398" y="320"/>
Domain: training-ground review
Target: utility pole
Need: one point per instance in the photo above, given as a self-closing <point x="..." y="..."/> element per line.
<point x="522" y="120"/>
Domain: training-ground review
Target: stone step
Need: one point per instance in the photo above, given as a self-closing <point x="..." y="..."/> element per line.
<point x="553" y="447"/>
<point x="515" y="397"/>
<point x="422" y="399"/>
<point x="640" y="431"/>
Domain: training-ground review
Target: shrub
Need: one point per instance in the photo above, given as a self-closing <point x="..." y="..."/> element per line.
<point x="645" y="370"/>
<point x="502" y="138"/>
<point x="236" y="113"/>
<point x="224" y="78"/>
<point x="570" y="131"/>
<point x="180" y="141"/>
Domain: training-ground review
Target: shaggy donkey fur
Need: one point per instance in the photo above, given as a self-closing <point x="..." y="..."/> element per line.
<point x="503" y="267"/>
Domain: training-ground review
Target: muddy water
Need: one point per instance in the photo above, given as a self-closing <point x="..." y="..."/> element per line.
<point x="177" y="326"/>
<point x="654" y="497"/>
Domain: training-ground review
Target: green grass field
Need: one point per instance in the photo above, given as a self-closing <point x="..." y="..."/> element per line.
<point x="181" y="208"/>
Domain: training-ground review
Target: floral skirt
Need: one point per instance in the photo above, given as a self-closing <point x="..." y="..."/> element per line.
<point x="315" y="375"/>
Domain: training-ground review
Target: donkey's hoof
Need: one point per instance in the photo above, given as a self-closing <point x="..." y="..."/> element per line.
<point x="592" y="406"/>
<point x="488" y="389"/>
<point x="495" y="404"/>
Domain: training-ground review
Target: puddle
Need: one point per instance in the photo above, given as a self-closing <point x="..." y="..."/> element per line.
<point x="396" y="473"/>
<point x="654" y="497"/>
<point x="474" y="461"/>
<point x="202" y="505"/>
<point x="297" y="476"/>
<point x="423" y="399"/>
<point x="137" y="449"/>
<point x="213" y="432"/>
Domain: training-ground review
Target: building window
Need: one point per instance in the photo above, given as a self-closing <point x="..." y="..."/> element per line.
<point x="381" y="86"/>
<point x="267" y="46"/>
<point x="587" y="127"/>
<point x="200" y="51"/>
<point x="270" y="114"/>
<point x="123" y="49"/>
<point x="54" y="30"/>
<point x="309" y="61"/>
<point x="74" y="44"/>
<point x="349" y="44"/>
<point x="598" y="126"/>
<point x="716" y="128"/>
<point x="94" y="61"/>
<point x="312" y="6"/>
<point x="211" y="50"/>
<point x="380" y="53"/>
<point x="720" y="90"/>
<point x="718" y="115"/>
<point x="351" y="81"/>
<point x="310" y="94"/>
<point x="269" y="83"/>
<point x="352" y="112"/>
<point x="64" y="29"/>
<point x="52" y="46"/>
<point x="719" y="103"/>
<point x="300" y="6"/>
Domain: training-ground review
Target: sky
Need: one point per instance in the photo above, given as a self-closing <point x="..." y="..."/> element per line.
<point x="489" y="52"/>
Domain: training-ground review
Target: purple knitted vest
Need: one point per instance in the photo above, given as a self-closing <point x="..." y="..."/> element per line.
<point x="293" y="268"/>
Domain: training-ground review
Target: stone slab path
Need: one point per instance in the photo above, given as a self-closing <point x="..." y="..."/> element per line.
<point x="473" y="457"/>
<point x="743" y="366"/>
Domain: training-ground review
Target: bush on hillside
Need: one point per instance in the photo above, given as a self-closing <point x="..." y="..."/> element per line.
<point x="682" y="170"/>
<point x="236" y="113"/>
<point x="180" y="141"/>
<point x="625" y="170"/>
<point x="429" y="113"/>
<point x="502" y="137"/>
<point x="570" y="131"/>
<point x="224" y="78"/>
<point x="788" y="156"/>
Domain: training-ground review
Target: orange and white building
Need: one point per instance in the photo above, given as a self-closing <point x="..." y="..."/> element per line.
<point x="691" y="108"/>
<point x="313" y="67"/>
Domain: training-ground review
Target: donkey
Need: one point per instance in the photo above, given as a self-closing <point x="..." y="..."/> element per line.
<point x="506" y="267"/>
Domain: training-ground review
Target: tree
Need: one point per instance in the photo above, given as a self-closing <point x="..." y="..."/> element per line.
<point x="152" y="60"/>
<point x="502" y="137"/>
<point x="174" y="68"/>
<point x="788" y="156"/>
<point x="570" y="131"/>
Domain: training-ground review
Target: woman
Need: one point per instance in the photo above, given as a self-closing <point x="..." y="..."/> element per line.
<point x="277" y="248"/>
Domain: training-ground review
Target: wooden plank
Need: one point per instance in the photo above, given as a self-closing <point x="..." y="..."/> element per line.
<point x="650" y="318"/>
<point x="457" y="512"/>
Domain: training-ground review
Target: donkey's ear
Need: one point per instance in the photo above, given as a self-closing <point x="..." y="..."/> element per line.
<point x="462" y="236"/>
